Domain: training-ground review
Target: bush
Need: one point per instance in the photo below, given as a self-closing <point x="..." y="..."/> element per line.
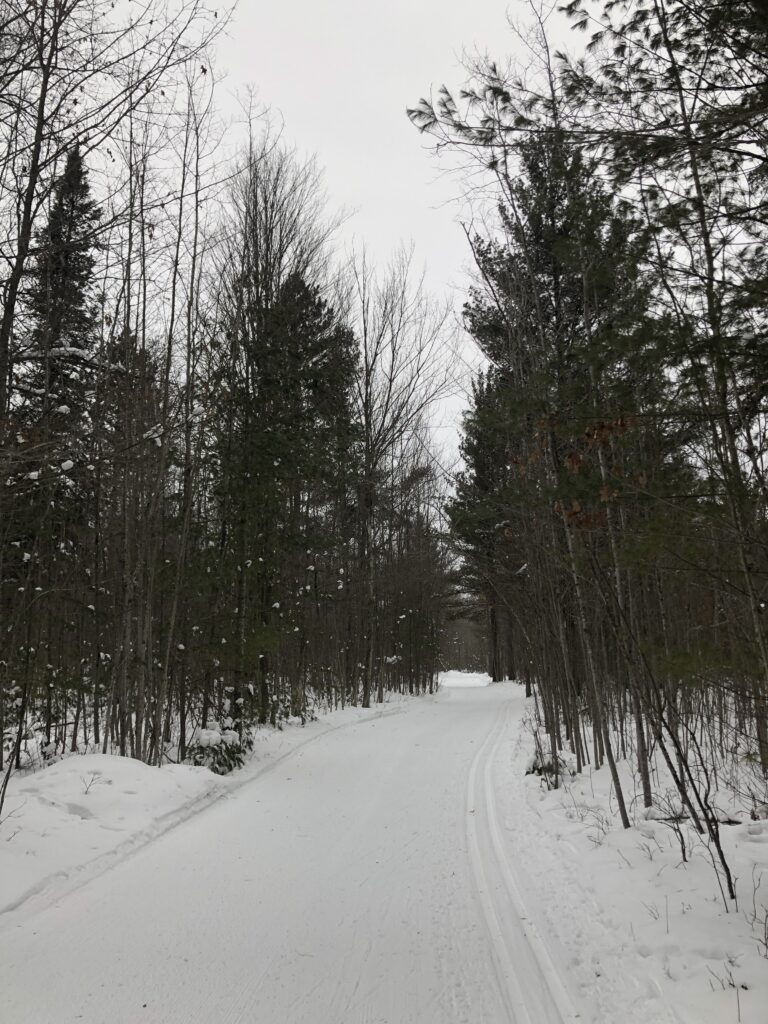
<point x="220" y="750"/>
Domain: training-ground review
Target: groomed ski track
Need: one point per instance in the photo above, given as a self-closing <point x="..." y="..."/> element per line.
<point x="363" y="880"/>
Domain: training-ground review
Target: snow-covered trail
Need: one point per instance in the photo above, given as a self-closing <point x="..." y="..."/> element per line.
<point x="363" y="880"/>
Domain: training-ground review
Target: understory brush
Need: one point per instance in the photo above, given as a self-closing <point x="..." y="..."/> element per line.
<point x="708" y="812"/>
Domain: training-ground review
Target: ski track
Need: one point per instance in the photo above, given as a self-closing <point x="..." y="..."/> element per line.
<point x="532" y="989"/>
<point x="611" y="982"/>
<point x="365" y="880"/>
<point x="57" y="885"/>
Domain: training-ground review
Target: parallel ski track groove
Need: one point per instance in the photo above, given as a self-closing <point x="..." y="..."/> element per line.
<point x="529" y="984"/>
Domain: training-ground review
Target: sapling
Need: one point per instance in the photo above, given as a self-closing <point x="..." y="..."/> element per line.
<point x="674" y="823"/>
<point x="758" y="916"/>
<point x="94" y="779"/>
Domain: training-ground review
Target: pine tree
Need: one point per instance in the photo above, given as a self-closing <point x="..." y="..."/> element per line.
<point x="285" y="461"/>
<point x="478" y="512"/>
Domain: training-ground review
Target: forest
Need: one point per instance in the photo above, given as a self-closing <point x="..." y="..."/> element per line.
<point x="219" y="502"/>
<point x="611" y="512"/>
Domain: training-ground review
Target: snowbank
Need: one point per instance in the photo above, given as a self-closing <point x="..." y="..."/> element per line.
<point x="644" y="932"/>
<point x="60" y="819"/>
<point x="69" y="822"/>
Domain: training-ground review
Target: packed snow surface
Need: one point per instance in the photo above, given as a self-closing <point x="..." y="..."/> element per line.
<point x="382" y="867"/>
<point x="463" y="679"/>
<point x="74" y="819"/>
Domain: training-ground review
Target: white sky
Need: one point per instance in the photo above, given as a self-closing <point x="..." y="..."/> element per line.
<point x="341" y="73"/>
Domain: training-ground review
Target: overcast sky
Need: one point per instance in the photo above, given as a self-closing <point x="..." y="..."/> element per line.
<point x="340" y="74"/>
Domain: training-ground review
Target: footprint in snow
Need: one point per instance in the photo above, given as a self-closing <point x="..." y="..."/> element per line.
<point x="79" y="811"/>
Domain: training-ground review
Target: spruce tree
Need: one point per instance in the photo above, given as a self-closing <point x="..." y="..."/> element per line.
<point x="53" y="423"/>
<point x="63" y="312"/>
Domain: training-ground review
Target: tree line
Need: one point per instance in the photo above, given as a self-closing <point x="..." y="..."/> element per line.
<point x="219" y="503"/>
<point x="611" y="515"/>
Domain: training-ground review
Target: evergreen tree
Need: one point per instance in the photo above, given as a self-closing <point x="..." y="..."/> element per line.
<point x="286" y="460"/>
<point x="478" y="511"/>
<point x="63" y="312"/>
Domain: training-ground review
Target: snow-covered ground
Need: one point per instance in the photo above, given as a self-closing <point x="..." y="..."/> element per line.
<point x="381" y="867"/>
<point x="634" y="925"/>
<point x="74" y="819"/>
<point x="463" y="679"/>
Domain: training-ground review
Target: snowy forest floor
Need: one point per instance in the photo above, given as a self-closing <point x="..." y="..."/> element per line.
<point x="373" y="867"/>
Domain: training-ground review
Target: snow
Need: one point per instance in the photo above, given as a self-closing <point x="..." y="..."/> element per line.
<point x="393" y="866"/>
<point x="644" y="936"/>
<point x="66" y="823"/>
<point x="464" y="679"/>
<point x="61" y="819"/>
<point x="209" y="737"/>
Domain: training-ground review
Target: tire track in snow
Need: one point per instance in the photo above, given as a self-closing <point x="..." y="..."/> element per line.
<point x="529" y="984"/>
